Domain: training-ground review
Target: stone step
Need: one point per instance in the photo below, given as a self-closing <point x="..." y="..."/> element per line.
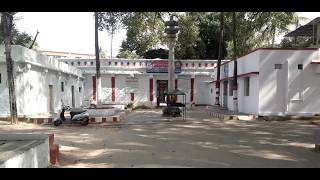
<point x="232" y="117"/>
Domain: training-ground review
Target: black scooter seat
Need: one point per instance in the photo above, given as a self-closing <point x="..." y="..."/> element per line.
<point x="76" y="111"/>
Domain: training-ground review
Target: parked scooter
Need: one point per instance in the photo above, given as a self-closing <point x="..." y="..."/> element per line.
<point x="77" y="115"/>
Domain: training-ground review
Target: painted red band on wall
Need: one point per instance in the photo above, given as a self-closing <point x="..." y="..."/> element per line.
<point x="151" y="89"/>
<point x="192" y="87"/>
<point x="176" y="83"/>
<point x="132" y="96"/>
<point x="94" y="86"/>
<point x="113" y="84"/>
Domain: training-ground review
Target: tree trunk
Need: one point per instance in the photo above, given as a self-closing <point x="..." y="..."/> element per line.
<point x="98" y="79"/>
<point x="34" y="40"/>
<point x="111" y="44"/>
<point x="6" y="21"/>
<point x="273" y="36"/>
<point x="235" y="68"/>
<point x="219" y="60"/>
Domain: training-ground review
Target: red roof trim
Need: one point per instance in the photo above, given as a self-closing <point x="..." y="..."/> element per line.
<point x="240" y="75"/>
<point x="301" y="49"/>
<point x="315" y="62"/>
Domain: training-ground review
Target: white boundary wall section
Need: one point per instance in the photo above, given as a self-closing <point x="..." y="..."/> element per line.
<point x="33" y="74"/>
<point x="248" y="66"/>
<point x="142" y="92"/>
<point x="121" y="69"/>
<point x="35" y="154"/>
<point x="285" y="91"/>
<point x="289" y="91"/>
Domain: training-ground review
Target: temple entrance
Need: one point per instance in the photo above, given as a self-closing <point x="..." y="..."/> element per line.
<point x="162" y="88"/>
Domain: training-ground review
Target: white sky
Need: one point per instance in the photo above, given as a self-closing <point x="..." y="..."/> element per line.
<point x="67" y="31"/>
<point x="74" y="31"/>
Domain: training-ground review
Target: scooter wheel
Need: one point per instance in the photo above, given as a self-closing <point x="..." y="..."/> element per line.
<point x="57" y="123"/>
<point x="85" y="122"/>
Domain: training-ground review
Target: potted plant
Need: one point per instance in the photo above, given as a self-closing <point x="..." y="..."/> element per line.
<point x="193" y="105"/>
<point x="129" y="106"/>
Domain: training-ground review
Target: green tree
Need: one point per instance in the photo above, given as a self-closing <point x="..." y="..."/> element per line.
<point x="126" y="54"/>
<point x="96" y="44"/>
<point x="6" y="27"/>
<point x="102" y="54"/>
<point x="200" y="33"/>
<point x="157" y="53"/>
<point x="301" y="41"/>
<point x="199" y="36"/>
<point x="188" y="37"/>
<point x="112" y="22"/>
<point x="19" y="38"/>
<point x="145" y="31"/>
<point x="220" y="57"/>
<point x="258" y="29"/>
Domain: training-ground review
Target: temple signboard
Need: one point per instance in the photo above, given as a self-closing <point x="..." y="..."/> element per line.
<point x="161" y="66"/>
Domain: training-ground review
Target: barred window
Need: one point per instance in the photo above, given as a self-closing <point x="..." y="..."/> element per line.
<point x="278" y="66"/>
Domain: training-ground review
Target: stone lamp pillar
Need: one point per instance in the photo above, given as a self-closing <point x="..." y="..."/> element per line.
<point x="171" y="30"/>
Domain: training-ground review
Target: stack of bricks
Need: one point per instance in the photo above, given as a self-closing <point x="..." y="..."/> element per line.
<point x="48" y="120"/>
<point x="54" y="151"/>
<point x="111" y="119"/>
<point x="94" y="120"/>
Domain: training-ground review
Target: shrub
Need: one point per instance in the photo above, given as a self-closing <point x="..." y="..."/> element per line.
<point x="130" y="105"/>
<point x="141" y="107"/>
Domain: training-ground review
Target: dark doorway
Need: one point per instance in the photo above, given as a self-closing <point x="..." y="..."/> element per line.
<point x="72" y="96"/>
<point x="225" y="94"/>
<point x="162" y="88"/>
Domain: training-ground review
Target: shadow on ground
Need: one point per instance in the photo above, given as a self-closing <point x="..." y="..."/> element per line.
<point x="199" y="142"/>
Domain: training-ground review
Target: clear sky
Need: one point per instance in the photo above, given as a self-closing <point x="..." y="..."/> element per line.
<point x="74" y="31"/>
<point x="67" y="31"/>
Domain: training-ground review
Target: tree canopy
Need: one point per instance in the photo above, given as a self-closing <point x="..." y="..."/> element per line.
<point x="199" y="32"/>
<point x="19" y="38"/>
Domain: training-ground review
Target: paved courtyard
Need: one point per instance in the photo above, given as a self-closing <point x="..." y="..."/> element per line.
<point x="145" y="139"/>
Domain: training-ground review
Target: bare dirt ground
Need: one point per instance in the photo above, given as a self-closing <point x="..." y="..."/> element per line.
<point x="145" y="139"/>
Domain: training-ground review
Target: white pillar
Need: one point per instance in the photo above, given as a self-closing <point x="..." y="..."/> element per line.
<point x="98" y="90"/>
